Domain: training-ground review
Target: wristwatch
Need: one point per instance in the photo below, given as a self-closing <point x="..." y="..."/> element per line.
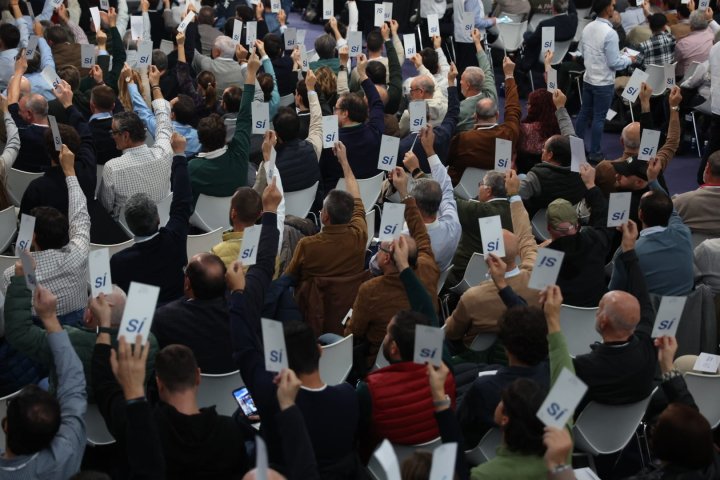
<point x="443" y="403"/>
<point x="676" y="108"/>
<point x="108" y="330"/>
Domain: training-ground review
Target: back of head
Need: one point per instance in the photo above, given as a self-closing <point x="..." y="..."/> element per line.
<point x="117" y="299"/>
<point x="339" y="206"/>
<point x="342" y="28"/>
<point x="141" y="215"/>
<point x="51" y="228"/>
<point x="225" y="46"/>
<point x="698" y="21"/>
<point x="656" y="208"/>
<point x="377" y="73"/>
<point x="523" y="332"/>
<point x="184" y="109"/>
<point x="325" y="46"/>
<point x="302" y="349"/>
<point x="206" y="16"/>
<point x="267" y="84"/>
<point x="301" y="89"/>
<point x="417" y="466"/>
<point x="103" y="97"/>
<point x="560" y="6"/>
<point x="33" y="420"/>
<point x="231" y="99"/>
<point x="56" y="34"/>
<point x="211" y="132"/>
<point x="273" y="45"/>
<point x="496" y="181"/>
<point x="245" y="12"/>
<point x="71" y="75"/>
<point x="562" y="217"/>
<point x="69" y="137"/>
<point x="355" y="106"/>
<point x="428" y="195"/>
<point x="206" y="274"/>
<point x="559" y="146"/>
<point x="374" y="41"/>
<point x="402" y="331"/>
<point x="176" y="367"/>
<point x="474" y="76"/>
<point x="10" y="35"/>
<point x="430" y="59"/>
<point x="247" y="205"/>
<point x="713" y="163"/>
<point x="326" y="82"/>
<point x="683" y="11"/>
<point x="599" y="6"/>
<point x="160" y="59"/>
<point x="33" y="64"/>
<point x="657" y="22"/>
<point x="631" y="136"/>
<point x="287" y="124"/>
<point x="682" y="437"/>
<point x="523" y="432"/>
<point x="486" y="109"/>
<point x="131" y="123"/>
<point x="38" y="105"/>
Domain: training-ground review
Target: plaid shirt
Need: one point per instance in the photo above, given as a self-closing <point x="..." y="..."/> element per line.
<point x="65" y="271"/>
<point x="140" y="169"/>
<point x="657" y="50"/>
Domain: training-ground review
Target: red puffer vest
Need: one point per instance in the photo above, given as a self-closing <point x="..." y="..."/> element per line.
<point x="402" y="407"/>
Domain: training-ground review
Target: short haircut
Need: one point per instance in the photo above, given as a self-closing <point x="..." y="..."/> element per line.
<point x="184" y="109"/>
<point x="286" y="124"/>
<point x="211" y="132"/>
<point x="403" y="332"/>
<point x="247" y="204"/>
<point x="71" y="75"/>
<point x="131" y="123"/>
<point x="244" y="12"/>
<point x="354" y="104"/>
<point x="225" y="45"/>
<point x="656" y="209"/>
<point x="417" y="465"/>
<point x="657" y="21"/>
<point x="523" y="432"/>
<point x="69" y="137"/>
<point x="475" y="77"/>
<point x="206" y="16"/>
<point x="599" y="5"/>
<point x="523" y="332"/>
<point x="325" y="46"/>
<point x="302" y="348"/>
<point x="231" y="98"/>
<point x="55" y="34"/>
<point x="52" y="231"/>
<point x="682" y="436"/>
<point x="428" y="195"/>
<point x="206" y="275"/>
<point x="103" y="97"/>
<point x="713" y="162"/>
<point x="176" y="367"/>
<point x="426" y="83"/>
<point x="301" y="89"/>
<point x="374" y="41"/>
<point x="339" y="206"/>
<point x="559" y="146"/>
<point x="560" y="6"/>
<point x="10" y="35"/>
<point x="141" y="215"/>
<point x="159" y="59"/>
<point x="486" y="108"/>
<point x="377" y="73"/>
<point x="273" y="45"/>
<point x="430" y="59"/>
<point x="496" y="181"/>
<point x="683" y="10"/>
<point x="267" y="84"/>
<point x="33" y="420"/>
<point x="33" y="64"/>
<point x="37" y="104"/>
<point x="698" y="20"/>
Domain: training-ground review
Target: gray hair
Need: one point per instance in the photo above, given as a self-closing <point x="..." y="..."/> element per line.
<point x="496" y="182"/>
<point x="698" y="20"/>
<point x="474" y="76"/>
<point x="117" y="299"/>
<point x="560" y="6"/>
<point x="427" y="84"/>
<point x="159" y="59"/>
<point x="141" y="215"/>
<point x="428" y="195"/>
<point x="486" y="108"/>
<point x="226" y="46"/>
<point x="37" y="104"/>
<point x="325" y="46"/>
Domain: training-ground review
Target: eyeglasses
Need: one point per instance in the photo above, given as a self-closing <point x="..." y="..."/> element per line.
<point x="383" y="249"/>
<point x="338" y="108"/>
<point x="412" y="89"/>
<point x="116" y="132"/>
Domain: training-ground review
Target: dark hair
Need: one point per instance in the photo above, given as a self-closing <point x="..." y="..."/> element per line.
<point x="206" y="16"/>
<point x="159" y="59"/>
<point x="71" y="75"/>
<point x="523" y="332"/>
<point x="33" y="420"/>
<point x="354" y="104"/>
<point x="302" y="348"/>
<point x="402" y="331"/>
<point x="131" y="123"/>
<point x="417" y="466"/>
<point x="247" y="204"/>
<point x="244" y="12"/>
<point x="682" y="436"/>
<point x="342" y="28"/>
<point x="141" y="215"/>
<point x="339" y="206"/>
<point x="559" y="146"/>
<point x="274" y="45"/>
<point x="377" y="73"/>
<point x="10" y="35"/>
<point x="206" y="80"/>
<point x="176" y="367"/>
<point x="657" y="21"/>
<point x="542" y="112"/>
<point x="287" y="124"/>
<point x="33" y="64"/>
<point x="683" y="10"/>
<point x="600" y="5"/>
<point x="266" y="85"/>
<point x="52" y="231"/>
<point x="69" y="137"/>
<point x="184" y="109"/>
<point x="206" y="275"/>
<point x="55" y="34"/>
<point x="231" y="98"/>
<point x="524" y="431"/>
<point x="656" y="209"/>
<point x="301" y="89"/>
<point x="211" y="132"/>
<point x="374" y="41"/>
<point x="103" y="97"/>
<point x="430" y="59"/>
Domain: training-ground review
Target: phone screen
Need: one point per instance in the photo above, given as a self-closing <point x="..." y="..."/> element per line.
<point x="243" y="398"/>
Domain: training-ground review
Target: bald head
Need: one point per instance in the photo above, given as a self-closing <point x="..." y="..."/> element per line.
<point x="617" y="316"/>
<point x="424" y="84"/>
<point x="205" y="276"/>
<point x="631" y="136"/>
<point x="486" y="110"/>
<point x="117" y="306"/>
<point x="271" y="475"/>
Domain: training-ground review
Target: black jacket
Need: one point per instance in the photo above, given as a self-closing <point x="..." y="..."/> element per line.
<point x="556" y="182"/>
<point x="105" y="148"/>
<point x="298" y="165"/>
<point x="565" y="27"/>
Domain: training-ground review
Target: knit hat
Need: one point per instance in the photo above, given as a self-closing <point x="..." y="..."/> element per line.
<point x="561" y="211"/>
<point x="632" y="167"/>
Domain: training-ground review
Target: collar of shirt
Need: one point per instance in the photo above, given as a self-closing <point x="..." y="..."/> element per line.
<point x="496" y="200"/>
<point x="485" y="127"/>
<point x="606" y="21"/>
<point x="145" y="239"/>
<point x="100" y="116"/>
<point x="651" y="230"/>
<point x="513" y="273"/>
<point x="433" y="225"/>
<point x="308" y="389"/>
<point x="710" y="185"/>
<point x="214" y="153"/>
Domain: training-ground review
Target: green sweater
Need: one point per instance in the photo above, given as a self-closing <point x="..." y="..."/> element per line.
<point x="31" y="340"/>
<point x="466" y="119"/>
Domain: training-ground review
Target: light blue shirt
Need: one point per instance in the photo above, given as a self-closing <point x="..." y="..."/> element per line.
<point x="37" y="82"/>
<point x="275" y="95"/>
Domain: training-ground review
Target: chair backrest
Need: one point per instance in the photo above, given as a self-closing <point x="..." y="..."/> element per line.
<point x="582" y="23"/>
<point x="698" y="238"/>
<point x="369" y="189"/>
<point x="17" y="183"/>
<point x="8" y="227"/>
<point x="536" y="19"/>
<point x="287" y="100"/>
<point x="113" y="249"/>
<point x="467" y="188"/>
<point x="7" y="262"/>
<point x="218" y="390"/>
<point x="96" y="428"/>
<point x="443" y="276"/>
<point x="98" y="178"/>
<point x="370" y="220"/>
<point x="512" y="34"/>
<point x="485" y="449"/>
<point x="211" y="213"/>
<point x="539" y="224"/>
<point x="583" y="13"/>
<point x="474" y="273"/>
<point x="163" y="207"/>
<point x="561" y="49"/>
<point x="594" y="434"/>
<point x="203" y="242"/>
<point x="3" y="412"/>
<point x="690" y="70"/>
<point x="578" y="327"/>
<point x="656" y="78"/>
<point x="483" y="341"/>
<point x="336" y="361"/>
<point x="380" y="360"/>
<point x="705" y="390"/>
<point x="299" y="203"/>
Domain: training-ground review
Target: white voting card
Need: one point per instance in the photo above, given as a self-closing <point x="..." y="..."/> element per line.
<point x="707" y="362"/>
<point x="354" y="43"/>
<point x="87" y="55"/>
<point x="548" y="39"/>
<point x="433" y="23"/>
<point x="346" y="317"/>
<point x="379" y="14"/>
<point x="51" y="77"/>
<point x="386" y="457"/>
<point x="669" y="75"/>
<point x="275" y="6"/>
<point x="105" y="5"/>
<point x="585" y="474"/>
<point x="166" y="46"/>
<point x="136" y="27"/>
<point x="260" y="117"/>
<point x="668" y="316"/>
<point x="237" y="31"/>
<point x="250" y="33"/>
<point x="577" y="153"/>
<point x="610" y="114"/>
<point x="131" y="57"/>
<point x="290" y="36"/>
<point x="464" y="35"/>
<point x="139" y="310"/>
<point x="703" y="4"/>
<point x="25" y="234"/>
<point x="560" y="403"/>
<point x="551" y="80"/>
<point x="418" y="115"/>
<point x="99" y="271"/>
<point x="31" y="47"/>
<point x="57" y="141"/>
<point x="249" y="246"/>
<point x="274" y="345"/>
<point x="619" y="208"/>
<point x="428" y="345"/>
<point x="186" y="21"/>
<point x="503" y="154"/>
<point x="492" y="236"/>
<point x="391" y="223"/>
<point x="389" y="147"/>
<point x="648" y="144"/>
<point x="330" y="130"/>
<point x="270" y="166"/>
<point x="261" y="459"/>
<point x="95" y="14"/>
<point x="328" y="9"/>
<point x="409" y="43"/>
<point x="443" y="462"/>
<point x="303" y="59"/>
<point x="28" y="270"/>
<point x="145" y="49"/>
<point x="632" y="89"/>
<point x="56" y="3"/>
<point x="546" y="269"/>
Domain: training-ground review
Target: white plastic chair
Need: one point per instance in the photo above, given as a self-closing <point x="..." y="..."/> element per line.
<point x="705" y="389"/>
<point x="467" y="188"/>
<point x="698" y="238"/>
<point x="336" y="361"/>
<point x="203" y="242"/>
<point x="96" y="428"/>
<point x="539" y="225"/>
<point x="163" y="207"/>
<point x="17" y="183"/>
<point x="7" y="262"/>
<point x="113" y="249"/>
<point x="370" y="220"/>
<point x="287" y="100"/>
<point x="299" y="203"/>
<point x="483" y="341"/>
<point x="561" y="49"/>
<point x="578" y="327"/>
<point x="486" y="449"/>
<point x="703" y="109"/>
<point x="380" y="360"/>
<point x="8" y="227"/>
<point x="511" y="36"/>
<point x="656" y="78"/>
<point x="217" y="389"/>
<point x="3" y="412"/>
<point x="402" y="452"/>
<point x="474" y="274"/>
<point x="369" y="189"/>
<point x="443" y="276"/>
<point x="211" y="213"/>
<point x="536" y="19"/>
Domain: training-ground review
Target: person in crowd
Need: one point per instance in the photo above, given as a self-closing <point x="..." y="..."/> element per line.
<point x="539" y="124"/>
<point x="660" y="48"/>
<point x="207" y="32"/>
<point x="695" y="47"/>
<point x="102" y="106"/>
<point x="697" y="208"/>
<point x="563" y="19"/>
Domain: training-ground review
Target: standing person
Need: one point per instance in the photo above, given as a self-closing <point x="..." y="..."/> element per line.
<point x="600" y="48"/>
